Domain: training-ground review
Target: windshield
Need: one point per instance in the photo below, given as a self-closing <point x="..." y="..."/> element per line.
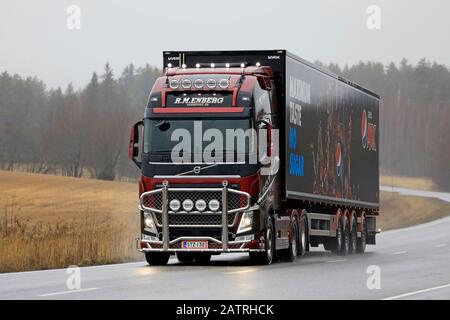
<point x="198" y="136"/>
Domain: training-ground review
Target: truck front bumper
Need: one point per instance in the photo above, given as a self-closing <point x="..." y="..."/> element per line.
<point x="166" y="244"/>
<point x="214" y="245"/>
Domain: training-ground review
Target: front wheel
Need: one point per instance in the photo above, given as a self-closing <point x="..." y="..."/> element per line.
<point x="157" y="258"/>
<point x="266" y="257"/>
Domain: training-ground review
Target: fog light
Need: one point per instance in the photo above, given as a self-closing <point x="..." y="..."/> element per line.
<point x="188" y="205"/>
<point x="200" y="205"/>
<point x="174" y="205"/>
<point x="214" y="205"/>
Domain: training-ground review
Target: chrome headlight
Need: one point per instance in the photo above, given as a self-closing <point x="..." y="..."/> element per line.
<point x="188" y="205"/>
<point x="214" y="205"/>
<point x="200" y="205"/>
<point x="246" y="222"/>
<point x="149" y="223"/>
<point x="174" y="84"/>
<point x="174" y="205"/>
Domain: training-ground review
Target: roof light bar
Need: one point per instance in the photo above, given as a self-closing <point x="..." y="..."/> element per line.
<point x="211" y="83"/>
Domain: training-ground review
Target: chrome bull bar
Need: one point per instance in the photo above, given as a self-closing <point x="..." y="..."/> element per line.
<point x="164" y="211"/>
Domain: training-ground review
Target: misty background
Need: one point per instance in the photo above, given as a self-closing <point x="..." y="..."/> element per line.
<point x="68" y="97"/>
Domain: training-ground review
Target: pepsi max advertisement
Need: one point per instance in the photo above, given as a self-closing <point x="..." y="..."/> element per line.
<point x="332" y="136"/>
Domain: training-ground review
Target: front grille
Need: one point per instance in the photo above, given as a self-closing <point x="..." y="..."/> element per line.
<point x="155" y="200"/>
<point x="205" y="219"/>
<point x="215" y="232"/>
<point x="237" y="200"/>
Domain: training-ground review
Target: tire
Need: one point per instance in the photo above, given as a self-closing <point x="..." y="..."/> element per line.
<point x="362" y="241"/>
<point x="185" y="257"/>
<point x="303" y="236"/>
<point x="157" y="258"/>
<point x="346" y="238"/>
<point x="267" y="256"/>
<point x="337" y="243"/>
<point x="291" y="253"/>
<point x="202" y="258"/>
<point x="353" y="237"/>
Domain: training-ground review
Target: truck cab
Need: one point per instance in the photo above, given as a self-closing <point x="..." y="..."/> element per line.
<point x="201" y="189"/>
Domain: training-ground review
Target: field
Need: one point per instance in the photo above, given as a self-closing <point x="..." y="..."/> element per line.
<point x="50" y="221"/>
<point x="408" y="182"/>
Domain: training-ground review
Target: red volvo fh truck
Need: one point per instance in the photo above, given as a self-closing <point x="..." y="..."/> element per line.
<point x="300" y="168"/>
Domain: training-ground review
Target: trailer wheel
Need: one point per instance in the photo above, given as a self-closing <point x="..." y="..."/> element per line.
<point x="303" y="234"/>
<point x="353" y="237"/>
<point x="185" y="257"/>
<point x="346" y="238"/>
<point x="157" y="258"/>
<point x="361" y="242"/>
<point x="267" y="256"/>
<point x="337" y="242"/>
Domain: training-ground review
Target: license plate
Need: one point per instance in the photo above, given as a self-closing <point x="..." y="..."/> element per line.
<point x="194" y="244"/>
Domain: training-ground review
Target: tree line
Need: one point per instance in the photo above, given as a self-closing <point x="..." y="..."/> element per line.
<point x="85" y="132"/>
<point x="72" y="132"/>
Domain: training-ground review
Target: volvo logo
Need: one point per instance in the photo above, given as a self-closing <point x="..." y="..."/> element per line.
<point x="197" y="170"/>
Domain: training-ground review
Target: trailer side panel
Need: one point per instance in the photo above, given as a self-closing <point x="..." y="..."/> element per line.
<point x="331" y="139"/>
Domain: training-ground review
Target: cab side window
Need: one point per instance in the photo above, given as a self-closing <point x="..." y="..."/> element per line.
<point x="261" y="101"/>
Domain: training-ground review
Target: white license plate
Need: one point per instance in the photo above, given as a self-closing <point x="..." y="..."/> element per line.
<point x="194" y="244"/>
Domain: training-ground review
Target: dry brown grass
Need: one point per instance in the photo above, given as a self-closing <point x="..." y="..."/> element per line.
<point x="49" y="221"/>
<point x="399" y="211"/>
<point x="53" y="222"/>
<point x="408" y="182"/>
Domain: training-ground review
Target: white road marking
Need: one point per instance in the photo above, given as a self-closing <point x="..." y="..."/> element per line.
<point x="440" y="245"/>
<point x="399" y="252"/>
<point x="339" y="260"/>
<point x="408" y="294"/>
<point x="66" y="292"/>
<point x="240" y="271"/>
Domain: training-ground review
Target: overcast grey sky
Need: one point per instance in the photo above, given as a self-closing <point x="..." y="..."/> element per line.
<point x="34" y="38"/>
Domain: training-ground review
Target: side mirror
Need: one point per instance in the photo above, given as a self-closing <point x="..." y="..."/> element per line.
<point x="263" y="124"/>
<point x="264" y="83"/>
<point x="133" y="146"/>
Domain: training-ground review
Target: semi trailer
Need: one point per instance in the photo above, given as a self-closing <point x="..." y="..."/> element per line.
<point x="255" y="151"/>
